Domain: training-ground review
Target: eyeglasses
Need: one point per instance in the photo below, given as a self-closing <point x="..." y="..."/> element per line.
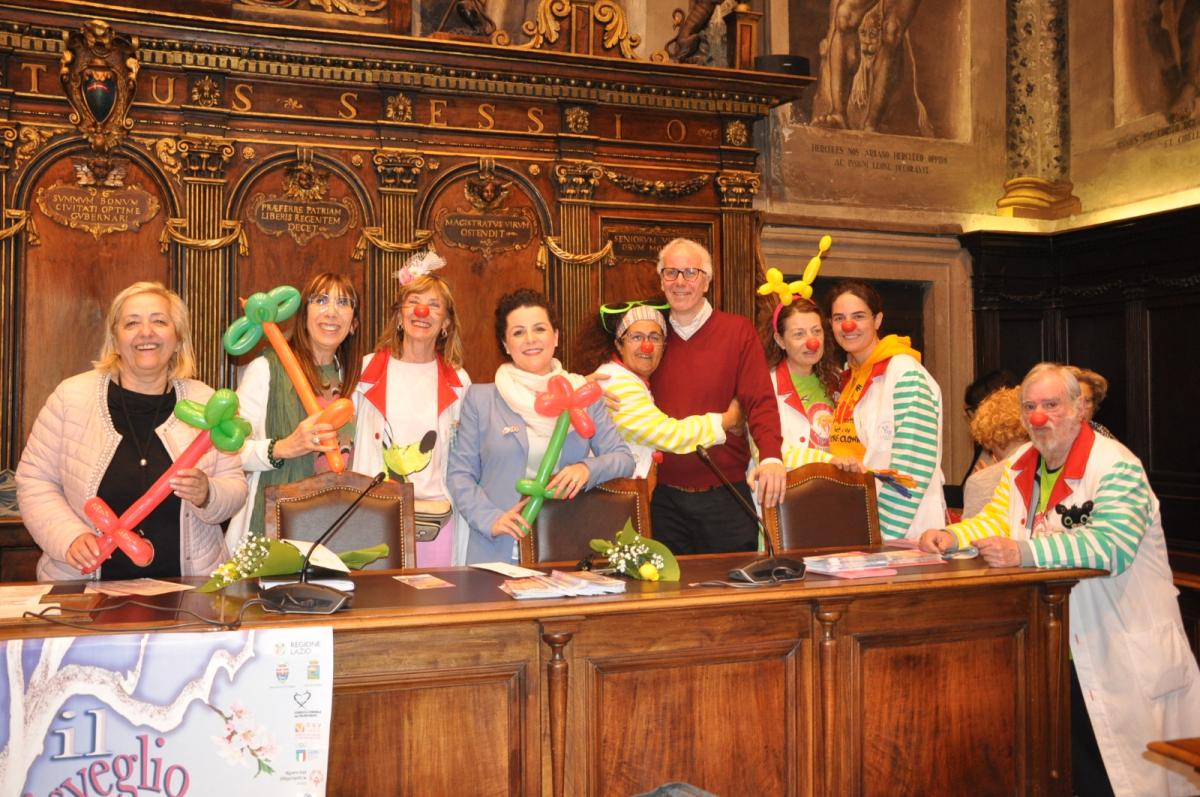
<point x="607" y="310"/>
<point x="640" y="337"/>
<point x="689" y="274"/>
<point x="342" y="302"/>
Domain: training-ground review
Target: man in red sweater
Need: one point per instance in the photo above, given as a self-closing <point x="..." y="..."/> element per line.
<point x="711" y="358"/>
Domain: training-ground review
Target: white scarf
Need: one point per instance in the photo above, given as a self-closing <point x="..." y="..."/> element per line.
<point x="519" y="389"/>
<point x="685" y="331"/>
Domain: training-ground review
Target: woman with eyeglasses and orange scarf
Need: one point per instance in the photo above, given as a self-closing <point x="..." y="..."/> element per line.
<point x="288" y="444"/>
<point x="889" y="416"/>
<point x="637" y="332"/>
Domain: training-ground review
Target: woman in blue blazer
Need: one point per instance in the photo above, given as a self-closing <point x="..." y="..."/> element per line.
<point x="501" y="438"/>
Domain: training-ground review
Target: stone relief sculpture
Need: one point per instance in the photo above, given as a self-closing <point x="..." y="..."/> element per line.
<point x="867" y="45"/>
<point x="689" y="41"/>
<point x="467" y="17"/>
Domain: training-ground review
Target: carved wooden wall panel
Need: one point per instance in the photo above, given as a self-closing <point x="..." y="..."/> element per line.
<point x="223" y="106"/>
<point x="82" y="261"/>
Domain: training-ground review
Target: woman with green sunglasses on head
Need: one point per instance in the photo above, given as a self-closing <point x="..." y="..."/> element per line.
<point x="627" y="345"/>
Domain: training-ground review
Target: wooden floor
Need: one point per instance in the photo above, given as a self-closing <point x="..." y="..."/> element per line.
<point x="946" y="680"/>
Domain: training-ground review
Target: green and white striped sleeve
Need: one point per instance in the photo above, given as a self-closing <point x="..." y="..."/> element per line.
<point x="914" y="452"/>
<point x="640" y="421"/>
<point x="1121" y="512"/>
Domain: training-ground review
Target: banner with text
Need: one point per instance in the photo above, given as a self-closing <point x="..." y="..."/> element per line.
<point x="230" y="713"/>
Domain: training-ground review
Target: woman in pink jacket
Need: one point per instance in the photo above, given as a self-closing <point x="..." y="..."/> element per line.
<point x="111" y="432"/>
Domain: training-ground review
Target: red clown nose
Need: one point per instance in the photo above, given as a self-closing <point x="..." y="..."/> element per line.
<point x="647" y="347"/>
<point x="1038" y="419"/>
<point x="812" y="344"/>
<point x="848" y="326"/>
<point x="421" y="310"/>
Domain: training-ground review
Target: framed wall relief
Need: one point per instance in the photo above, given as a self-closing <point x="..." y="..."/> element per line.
<point x="487" y="221"/>
<point x="636" y="243"/>
<point x="1138" y="136"/>
<point x="906" y="113"/>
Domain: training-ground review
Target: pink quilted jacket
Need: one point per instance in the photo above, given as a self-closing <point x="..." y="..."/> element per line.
<point x="67" y="453"/>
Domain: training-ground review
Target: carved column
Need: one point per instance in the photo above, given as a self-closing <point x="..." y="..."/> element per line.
<point x="1038" y="105"/>
<point x="572" y="287"/>
<point x="399" y="174"/>
<point x="736" y="290"/>
<point x="829" y="666"/>
<point x="205" y="278"/>
<point x="557" y="681"/>
<point x="9" y="443"/>
<point x="1055" y="751"/>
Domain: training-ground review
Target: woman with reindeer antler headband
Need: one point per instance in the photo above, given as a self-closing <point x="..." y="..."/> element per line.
<point x="804" y="369"/>
<point x="409" y="399"/>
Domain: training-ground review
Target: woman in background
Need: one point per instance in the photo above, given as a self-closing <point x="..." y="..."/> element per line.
<point x="997" y="428"/>
<point x="287" y="444"/>
<point x="503" y="438"/>
<point x="111" y="432"/>
<point x="889" y="415"/>
<point x="413" y="384"/>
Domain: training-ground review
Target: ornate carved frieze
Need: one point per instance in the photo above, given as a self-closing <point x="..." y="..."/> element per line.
<point x="98" y="71"/>
<point x="237" y="61"/>
<point x="31" y="139"/>
<point x="206" y="92"/>
<point x="204" y="157"/>
<point x="399" y="170"/>
<point x="97" y="209"/>
<point x="546" y="27"/>
<point x="737" y="189"/>
<point x="398" y="108"/>
<point x="737" y="134"/>
<point x="578" y="119"/>
<point x="659" y="189"/>
<point x="577" y="180"/>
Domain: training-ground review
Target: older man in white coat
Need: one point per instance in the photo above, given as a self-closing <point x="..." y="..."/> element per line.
<point x="1074" y="499"/>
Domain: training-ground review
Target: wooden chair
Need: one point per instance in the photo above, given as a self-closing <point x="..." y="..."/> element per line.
<point x="824" y="507"/>
<point x="564" y="528"/>
<point x="303" y="510"/>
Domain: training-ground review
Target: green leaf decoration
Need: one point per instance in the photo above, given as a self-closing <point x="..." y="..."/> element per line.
<point x="357" y="560"/>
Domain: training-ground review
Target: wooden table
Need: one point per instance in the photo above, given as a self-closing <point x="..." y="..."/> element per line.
<point x="1186" y="751"/>
<point x="949" y="679"/>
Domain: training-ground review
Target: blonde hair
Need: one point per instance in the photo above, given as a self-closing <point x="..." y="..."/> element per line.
<point x="996" y="424"/>
<point x="183" y="362"/>
<point x="448" y="345"/>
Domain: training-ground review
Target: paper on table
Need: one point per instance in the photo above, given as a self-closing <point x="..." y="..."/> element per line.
<point x="136" y="586"/>
<point x="16" y="600"/>
<point x="506" y="569"/>
<point x="423" y="581"/>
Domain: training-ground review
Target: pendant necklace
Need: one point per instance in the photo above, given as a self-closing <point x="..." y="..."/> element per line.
<point x="142" y="450"/>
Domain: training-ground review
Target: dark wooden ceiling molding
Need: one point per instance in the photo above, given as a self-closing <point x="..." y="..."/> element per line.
<point x="310" y="54"/>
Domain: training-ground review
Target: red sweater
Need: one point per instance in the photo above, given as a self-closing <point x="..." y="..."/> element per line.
<point x="704" y="373"/>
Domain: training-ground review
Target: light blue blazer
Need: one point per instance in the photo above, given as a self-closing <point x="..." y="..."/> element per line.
<point x="489" y="456"/>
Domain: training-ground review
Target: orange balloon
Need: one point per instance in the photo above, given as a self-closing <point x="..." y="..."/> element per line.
<point x="337" y="463"/>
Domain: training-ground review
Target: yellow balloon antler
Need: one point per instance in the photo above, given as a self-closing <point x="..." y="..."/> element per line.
<point x="802" y="287"/>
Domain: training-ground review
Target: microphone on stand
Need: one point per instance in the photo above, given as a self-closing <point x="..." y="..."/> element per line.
<point x="771" y="570"/>
<point x="302" y="597"/>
